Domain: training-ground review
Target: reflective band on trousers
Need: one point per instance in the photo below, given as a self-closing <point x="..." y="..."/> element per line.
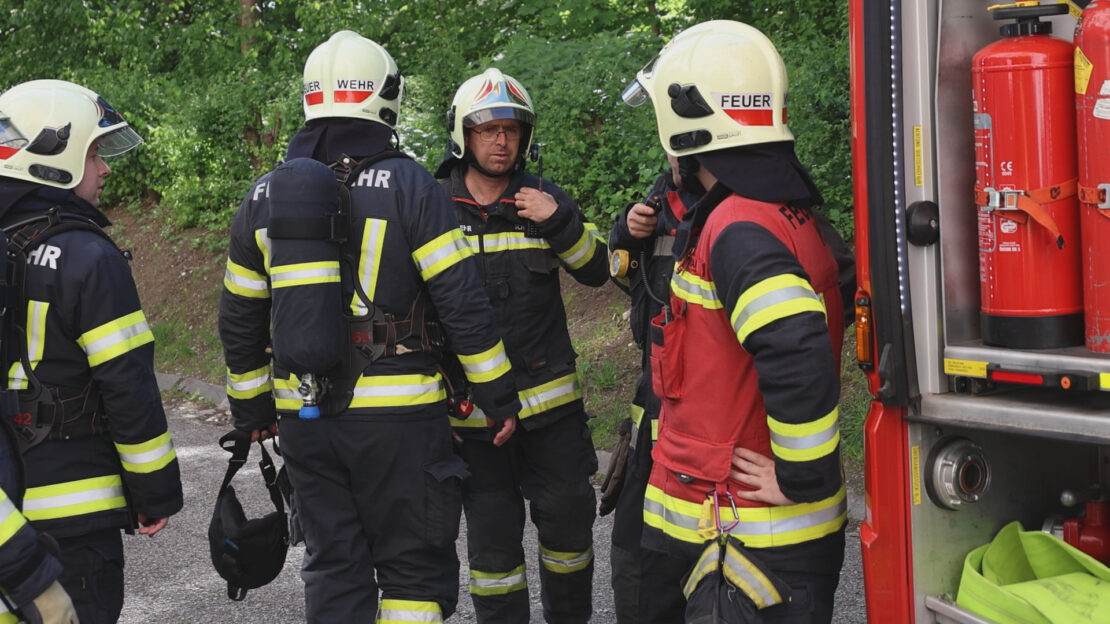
<point x="249" y="384"/>
<point x="441" y="253"/>
<point x="10" y="519"/>
<point x="498" y="583"/>
<point x="690" y="287"/>
<point x="805" y="441"/>
<point x="304" y="274"/>
<point x="36" y="343"/>
<point x="739" y="570"/>
<point x="115" y="338"/>
<point x="772" y="299"/>
<point x="394" y="611"/>
<point x="147" y="457"/>
<point x="564" y="562"/>
<point x="74" y="498"/>
<point x="759" y="527"/>
<point x="487" y="365"/>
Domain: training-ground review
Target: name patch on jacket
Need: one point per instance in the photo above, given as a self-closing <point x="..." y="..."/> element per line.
<point x="44" y="256"/>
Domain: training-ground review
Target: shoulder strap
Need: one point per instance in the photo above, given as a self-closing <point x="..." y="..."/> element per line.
<point x="238" y="443"/>
<point x="32" y="232"/>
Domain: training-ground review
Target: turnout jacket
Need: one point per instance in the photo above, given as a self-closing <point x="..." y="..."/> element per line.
<point x="406" y="242"/>
<point x="654" y="261"/>
<point x="747" y="360"/>
<point x="519" y="266"/>
<point x="88" y="343"/>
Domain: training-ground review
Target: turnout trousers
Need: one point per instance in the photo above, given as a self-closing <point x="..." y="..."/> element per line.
<point x="92" y="574"/>
<point x="626" y="557"/>
<point x="811" y="569"/>
<point x="551" y="467"/>
<point x="379" y="502"/>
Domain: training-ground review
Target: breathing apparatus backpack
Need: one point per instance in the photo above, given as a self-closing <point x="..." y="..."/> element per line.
<point x="40" y="412"/>
<point x="314" y="337"/>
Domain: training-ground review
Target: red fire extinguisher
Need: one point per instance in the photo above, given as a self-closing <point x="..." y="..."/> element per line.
<point x="1092" y="107"/>
<point x="1025" y="187"/>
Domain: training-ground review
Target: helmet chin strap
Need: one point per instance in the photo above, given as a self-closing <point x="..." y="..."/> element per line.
<point x="687" y="173"/>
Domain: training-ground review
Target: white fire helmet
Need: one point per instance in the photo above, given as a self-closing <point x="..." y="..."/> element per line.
<point x="351" y="76"/>
<point x="717" y="85"/>
<point x="47" y="126"/>
<point x="488" y="96"/>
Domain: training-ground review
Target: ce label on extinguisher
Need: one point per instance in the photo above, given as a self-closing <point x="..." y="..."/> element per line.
<point x="1006" y="168"/>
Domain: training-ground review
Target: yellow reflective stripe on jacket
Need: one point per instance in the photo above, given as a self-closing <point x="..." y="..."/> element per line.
<point x="506" y="241"/>
<point x="262" y="240"/>
<point x="304" y="274"/>
<point x="441" y="253"/>
<point x="498" y="583"/>
<point x="565" y="562"/>
<point x="805" y="441"/>
<point x="738" y="569"/>
<point x="393" y="611"/>
<point x="550" y="395"/>
<point x="772" y="299"/>
<point x="369" y="262"/>
<point x="398" y="390"/>
<point x="148" y="456"/>
<point x="115" y="338"/>
<point x="249" y="384"/>
<point x="74" y="498"/>
<point x="36" y="343"/>
<point x="487" y="365"/>
<point x="580" y="252"/>
<point x="759" y="527"/>
<point x="690" y="287"/>
<point x="7" y="617"/>
<point x="244" y="282"/>
<point x="10" y="518"/>
<point x="286" y="396"/>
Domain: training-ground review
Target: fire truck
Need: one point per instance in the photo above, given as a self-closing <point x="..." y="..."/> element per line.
<point x="984" y="271"/>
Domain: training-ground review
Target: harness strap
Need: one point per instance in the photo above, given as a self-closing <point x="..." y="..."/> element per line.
<point x="1096" y="195"/>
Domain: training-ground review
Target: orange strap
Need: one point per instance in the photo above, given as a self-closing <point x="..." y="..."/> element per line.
<point x="1020" y="205"/>
<point x="1096" y="195"/>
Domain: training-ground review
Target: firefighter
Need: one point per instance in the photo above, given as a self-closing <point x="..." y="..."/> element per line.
<point x="522" y="228"/>
<point x="90" y="425"/>
<point x="646" y="231"/>
<point x="28" y="571"/>
<point x="377" y="485"/>
<point x="745" y="360"/>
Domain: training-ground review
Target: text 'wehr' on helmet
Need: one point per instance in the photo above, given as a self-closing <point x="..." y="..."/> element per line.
<point x="486" y="97"/>
<point x="717" y="85"/>
<point x="351" y="76"/>
<point x="47" y="127"/>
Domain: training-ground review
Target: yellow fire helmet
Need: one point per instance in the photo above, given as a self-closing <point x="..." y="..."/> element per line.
<point x="717" y="85"/>
<point x="47" y="126"/>
<point x="351" y="76"/>
<point x="490" y="95"/>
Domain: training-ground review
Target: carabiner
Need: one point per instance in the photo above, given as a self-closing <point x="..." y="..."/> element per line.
<point x="715" y="495"/>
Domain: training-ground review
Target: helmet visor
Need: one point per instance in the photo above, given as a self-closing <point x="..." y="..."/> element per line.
<point x="11" y="139"/>
<point x="118" y="141"/>
<point x="486" y="115"/>
<point x="635" y="94"/>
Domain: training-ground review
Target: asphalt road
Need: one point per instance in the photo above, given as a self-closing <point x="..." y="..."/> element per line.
<point x="170" y="577"/>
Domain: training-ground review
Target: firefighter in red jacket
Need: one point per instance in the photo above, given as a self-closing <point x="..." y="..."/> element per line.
<point x="91" y="427"/>
<point x="745" y="357"/>
<point x="522" y="229"/>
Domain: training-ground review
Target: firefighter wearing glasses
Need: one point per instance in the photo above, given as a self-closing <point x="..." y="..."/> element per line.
<point x="522" y="229"/>
<point x="376" y="482"/>
<point x="91" y="428"/>
<point x="745" y="356"/>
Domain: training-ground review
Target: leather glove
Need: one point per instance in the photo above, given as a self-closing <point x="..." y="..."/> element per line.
<point x="52" y="606"/>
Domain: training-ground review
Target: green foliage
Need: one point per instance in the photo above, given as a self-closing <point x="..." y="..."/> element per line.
<point x="213" y="85"/>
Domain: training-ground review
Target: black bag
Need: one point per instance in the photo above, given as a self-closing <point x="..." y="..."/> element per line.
<point x="247" y="553"/>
